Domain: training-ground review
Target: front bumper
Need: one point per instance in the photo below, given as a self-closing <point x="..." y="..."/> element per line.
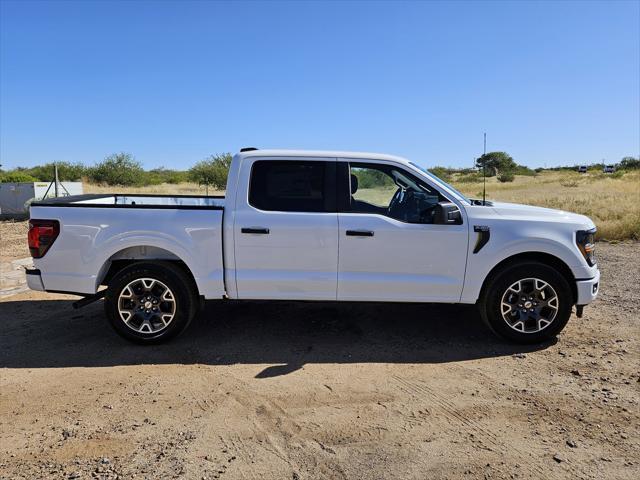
<point x="588" y="289"/>
<point x="34" y="280"/>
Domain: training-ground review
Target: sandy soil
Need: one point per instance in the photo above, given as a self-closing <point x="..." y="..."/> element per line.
<point x="311" y="391"/>
<point x="13" y="240"/>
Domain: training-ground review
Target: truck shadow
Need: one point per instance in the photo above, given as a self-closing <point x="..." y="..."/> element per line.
<point x="288" y="335"/>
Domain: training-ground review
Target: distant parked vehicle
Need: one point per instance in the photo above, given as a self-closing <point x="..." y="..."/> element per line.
<point x="582" y="169"/>
<point x="609" y="169"/>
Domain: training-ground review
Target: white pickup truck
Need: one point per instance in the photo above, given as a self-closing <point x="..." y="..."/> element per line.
<point x="311" y="225"/>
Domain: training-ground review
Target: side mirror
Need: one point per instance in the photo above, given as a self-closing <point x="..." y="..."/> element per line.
<point x="447" y="213"/>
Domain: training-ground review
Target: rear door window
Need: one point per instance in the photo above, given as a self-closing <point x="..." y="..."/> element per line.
<point x="292" y="186"/>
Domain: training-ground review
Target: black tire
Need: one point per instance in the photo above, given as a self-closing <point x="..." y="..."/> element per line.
<point x="491" y="302"/>
<point x="183" y="307"/>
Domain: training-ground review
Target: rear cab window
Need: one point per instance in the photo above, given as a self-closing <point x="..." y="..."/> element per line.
<point x="292" y="186"/>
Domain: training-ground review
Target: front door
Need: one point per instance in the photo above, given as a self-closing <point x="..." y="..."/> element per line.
<point x="390" y="249"/>
<point x="286" y="230"/>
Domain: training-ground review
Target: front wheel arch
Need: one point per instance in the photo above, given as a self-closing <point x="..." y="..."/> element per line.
<point x="538" y="257"/>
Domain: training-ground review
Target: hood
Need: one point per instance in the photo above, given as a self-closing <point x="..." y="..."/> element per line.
<point x="528" y="212"/>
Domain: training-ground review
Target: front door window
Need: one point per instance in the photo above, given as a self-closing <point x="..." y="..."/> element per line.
<point x="390" y="191"/>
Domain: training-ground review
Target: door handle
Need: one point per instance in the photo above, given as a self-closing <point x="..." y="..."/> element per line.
<point x="359" y="233"/>
<point x="258" y="230"/>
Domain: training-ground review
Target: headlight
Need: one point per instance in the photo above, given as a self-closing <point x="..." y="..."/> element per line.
<point x="585" y="239"/>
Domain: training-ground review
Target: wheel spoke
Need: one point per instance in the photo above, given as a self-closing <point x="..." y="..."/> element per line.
<point x="516" y="287"/>
<point x="126" y="292"/>
<point x="519" y="326"/>
<point x="146" y="305"/>
<point x="506" y="308"/>
<point x="167" y="296"/>
<point x="542" y="322"/>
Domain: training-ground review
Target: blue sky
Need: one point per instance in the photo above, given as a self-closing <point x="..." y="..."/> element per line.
<point x="172" y="82"/>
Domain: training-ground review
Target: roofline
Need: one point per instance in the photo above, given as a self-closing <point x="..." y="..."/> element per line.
<point x="321" y="154"/>
<point x="348" y="155"/>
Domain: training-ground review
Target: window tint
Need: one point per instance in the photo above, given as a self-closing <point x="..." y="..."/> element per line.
<point x="289" y="186"/>
<point x="390" y="191"/>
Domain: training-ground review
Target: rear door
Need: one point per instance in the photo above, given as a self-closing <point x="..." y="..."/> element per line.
<point x="390" y="247"/>
<point x="286" y="229"/>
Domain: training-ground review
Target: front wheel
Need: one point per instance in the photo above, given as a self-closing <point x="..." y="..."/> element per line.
<point x="527" y="303"/>
<point x="150" y="302"/>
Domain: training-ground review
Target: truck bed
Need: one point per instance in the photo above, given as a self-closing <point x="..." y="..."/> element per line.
<point x="130" y="200"/>
<point x="99" y="229"/>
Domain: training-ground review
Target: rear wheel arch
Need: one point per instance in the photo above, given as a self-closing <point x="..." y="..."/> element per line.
<point x="527" y="257"/>
<point x="144" y="253"/>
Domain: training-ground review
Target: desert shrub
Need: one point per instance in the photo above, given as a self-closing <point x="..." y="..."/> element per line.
<point x="506" y="177"/>
<point x="16" y="176"/>
<point x="370" y="178"/>
<point x="177" y="176"/>
<point x="118" y="169"/>
<point x="442" y="173"/>
<point x="151" y="178"/>
<point x="617" y="174"/>
<point x="158" y="176"/>
<point x="470" y="178"/>
<point x="212" y="171"/>
<point x="522" y="170"/>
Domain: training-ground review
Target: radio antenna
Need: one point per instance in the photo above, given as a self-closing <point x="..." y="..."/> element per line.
<point x="484" y="171"/>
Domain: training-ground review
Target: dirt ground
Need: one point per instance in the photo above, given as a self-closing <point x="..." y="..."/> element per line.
<point x="13" y="240"/>
<point x="270" y="390"/>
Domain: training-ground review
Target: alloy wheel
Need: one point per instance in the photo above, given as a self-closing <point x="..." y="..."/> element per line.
<point x="529" y="305"/>
<point x="146" y="305"/>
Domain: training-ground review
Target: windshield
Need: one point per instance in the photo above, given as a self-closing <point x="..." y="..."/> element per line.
<point x="433" y="177"/>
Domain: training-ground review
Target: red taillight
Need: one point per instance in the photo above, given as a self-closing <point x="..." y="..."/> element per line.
<point x="42" y="234"/>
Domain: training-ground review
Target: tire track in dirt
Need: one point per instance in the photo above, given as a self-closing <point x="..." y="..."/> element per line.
<point x="281" y="434"/>
<point x="484" y="437"/>
<point x="284" y="440"/>
<point x="480" y="434"/>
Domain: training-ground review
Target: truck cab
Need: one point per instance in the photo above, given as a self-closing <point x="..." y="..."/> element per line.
<point x="324" y="226"/>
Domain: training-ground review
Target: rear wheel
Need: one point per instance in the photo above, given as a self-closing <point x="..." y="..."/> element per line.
<point x="150" y="302"/>
<point x="527" y="303"/>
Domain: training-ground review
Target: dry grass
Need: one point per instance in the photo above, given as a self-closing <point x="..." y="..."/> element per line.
<point x="612" y="201"/>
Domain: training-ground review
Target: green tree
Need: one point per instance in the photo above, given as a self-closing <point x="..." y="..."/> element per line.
<point x="630" y="163"/>
<point x="118" y="169"/>
<point x="496" y="162"/>
<point x="16" y="176"/>
<point x="212" y="171"/>
<point x="66" y="171"/>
